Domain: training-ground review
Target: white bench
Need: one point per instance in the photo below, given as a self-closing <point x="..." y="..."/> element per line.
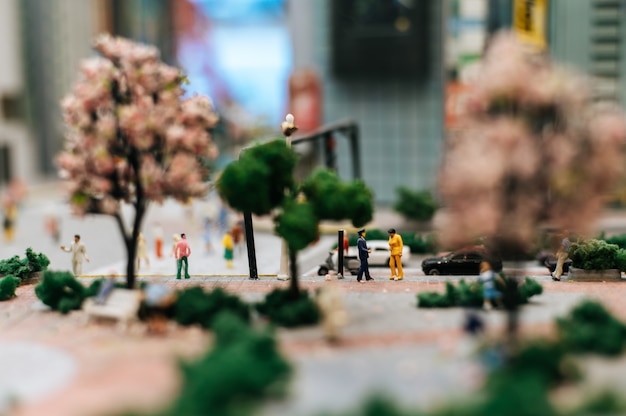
<point x="121" y="305"/>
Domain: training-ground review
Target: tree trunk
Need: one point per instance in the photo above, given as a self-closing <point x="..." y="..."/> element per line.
<point x="294" y="288"/>
<point x="140" y="210"/>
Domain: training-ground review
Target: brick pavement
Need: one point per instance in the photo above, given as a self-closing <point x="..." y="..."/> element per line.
<point x="117" y="370"/>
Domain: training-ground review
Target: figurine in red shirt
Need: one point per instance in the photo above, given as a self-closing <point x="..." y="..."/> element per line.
<point x="182" y="252"/>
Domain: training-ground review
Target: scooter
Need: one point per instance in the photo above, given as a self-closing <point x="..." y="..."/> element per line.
<point x="350" y="263"/>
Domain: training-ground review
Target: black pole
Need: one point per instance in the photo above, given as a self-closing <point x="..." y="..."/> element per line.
<point x="329" y="152"/>
<point x="340" y="254"/>
<point x="247" y="221"/>
<point x="354" y="144"/>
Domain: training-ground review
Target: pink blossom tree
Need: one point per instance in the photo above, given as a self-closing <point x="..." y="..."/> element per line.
<point x="132" y="138"/>
<point x="535" y="149"/>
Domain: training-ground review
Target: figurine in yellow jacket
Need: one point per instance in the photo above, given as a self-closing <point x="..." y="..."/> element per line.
<point x="395" y="255"/>
<point x="227" y="242"/>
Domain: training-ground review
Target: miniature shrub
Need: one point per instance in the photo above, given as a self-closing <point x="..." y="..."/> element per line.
<point x="529" y="289"/>
<point x="8" y="284"/>
<point x="419" y="244"/>
<point x="24" y="267"/>
<point x="590" y="328"/>
<point x="285" y="311"/>
<point x="620" y="259"/>
<point x="593" y="254"/>
<point x="471" y="294"/>
<point x="63" y="292"/>
<point x="604" y="403"/>
<point x="415" y="205"/>
<point x="243" y="368"/>
<point x="618" y="240"/>
<point x="195" y="306"/>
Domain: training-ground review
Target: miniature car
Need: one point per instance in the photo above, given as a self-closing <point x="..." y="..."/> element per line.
<point x="460" y="262"/>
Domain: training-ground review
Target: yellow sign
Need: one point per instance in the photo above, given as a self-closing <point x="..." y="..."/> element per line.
<point x="529" y="22"/>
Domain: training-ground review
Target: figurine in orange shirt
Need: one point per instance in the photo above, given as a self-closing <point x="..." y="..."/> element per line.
<point x="395" y="255"/>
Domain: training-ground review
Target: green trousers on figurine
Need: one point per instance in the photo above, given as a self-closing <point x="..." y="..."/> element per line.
<point x="180" y="264"/>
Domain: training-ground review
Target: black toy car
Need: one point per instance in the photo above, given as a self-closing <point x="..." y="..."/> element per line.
<point x="461" y="262"/>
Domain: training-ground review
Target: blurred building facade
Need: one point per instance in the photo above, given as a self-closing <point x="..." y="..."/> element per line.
<point x="385" y="65"/>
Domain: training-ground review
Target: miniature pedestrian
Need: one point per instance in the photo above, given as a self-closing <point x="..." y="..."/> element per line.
<point x="227" y="242"/>
<point x="142" y="251"/>
<point x="16" y="191"/>
<point x="207" y="235"/>
<point x="8" y="221"/>
<point x="79" y="253"/>
<point x="237" y="234"/>
<point x="52" y="227"/>
<point x="183" y="251"/>
<point x="395" y="255"/>
<point x="329" y="299"/>
<point x="346" y="244"/>
<point x="488" y="278"/>
<point x="158" y="240"/>
<point x="561" y="256"/>
<point x="363" y="253"/>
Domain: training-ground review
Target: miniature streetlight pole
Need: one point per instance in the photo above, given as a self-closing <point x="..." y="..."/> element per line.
<point x="288" y="127"/>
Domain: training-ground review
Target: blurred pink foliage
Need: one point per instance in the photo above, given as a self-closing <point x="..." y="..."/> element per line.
<point x="536" y="150"/>
<point x="16" y="191"/>
<point x="131" y="136"/>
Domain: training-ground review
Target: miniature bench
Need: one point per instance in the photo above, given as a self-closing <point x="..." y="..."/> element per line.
<point x="121" y="305"/>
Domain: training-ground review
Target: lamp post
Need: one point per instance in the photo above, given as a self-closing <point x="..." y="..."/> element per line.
<point x="288" y="128"/>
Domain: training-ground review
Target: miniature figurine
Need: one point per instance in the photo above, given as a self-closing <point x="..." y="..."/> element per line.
<point x="561" y="256"/>
<point x="488" y="278"/>
<point x="363" y="253"/>
<point x="8" y="222"/>
<point x="158" y="299"/>
<point x="208" y="230"/>
<point x="16" y="191"/>
<point x="183" y="251"/>
<point x="158" y="240"/>
<point x="175" y="240"/>
<point x="227" y="242"/>
<point x="104" y="291"/>
<point x="79" y="252"/>
<point x="52" y="227"/>
<point x="395" y="255"/>
<point x="346" y="244"/>
<point x="142" y="251"/>
<point x="334" y="316"/>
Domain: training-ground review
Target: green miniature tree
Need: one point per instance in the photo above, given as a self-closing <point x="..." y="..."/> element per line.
<point x="262" y="182"/>
<point x="415" y="205"/>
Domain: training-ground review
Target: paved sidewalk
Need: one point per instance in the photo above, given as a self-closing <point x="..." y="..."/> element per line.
<point x="418" y="356"/>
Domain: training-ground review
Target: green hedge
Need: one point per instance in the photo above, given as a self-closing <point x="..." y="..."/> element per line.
<point x="8" y="284"/>
<point x="243" y="368"/>
<point x="590" y="328"/>
<point x="595" y="254"/>
<point x="195" y="306"/>
<point x="471" y="294"/>
<point x="24" y="267"/>
<point x="61" y="291"/>
<point x="282" y="310"/>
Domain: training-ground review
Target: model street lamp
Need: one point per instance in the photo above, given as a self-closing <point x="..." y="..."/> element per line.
<point x="288" y="127"/>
